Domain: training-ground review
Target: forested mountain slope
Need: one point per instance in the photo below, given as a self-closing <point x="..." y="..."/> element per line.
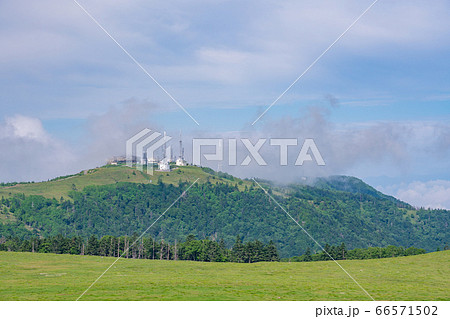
<point x="223" y="207"/>
<point x="352" y="185"/>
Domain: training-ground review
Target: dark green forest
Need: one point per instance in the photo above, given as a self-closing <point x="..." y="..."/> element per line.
<point x="206" y="250"/>
<point x="221" y="212"/>
<point x="340" y="252"/>
<point x="141" y="247"/>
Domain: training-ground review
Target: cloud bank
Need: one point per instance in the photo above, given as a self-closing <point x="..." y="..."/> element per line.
<point x="430" y="194"/>
<point x="29" y="153"/>
<point x="361" y="149"/>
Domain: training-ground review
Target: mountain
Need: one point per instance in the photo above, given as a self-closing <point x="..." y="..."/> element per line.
<point x="118" y="200"/>
<point x="353" y="185"/>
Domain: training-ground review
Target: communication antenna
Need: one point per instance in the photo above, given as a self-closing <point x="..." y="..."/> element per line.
<point x="164" y="147"/>
<point x="181" y="147"/>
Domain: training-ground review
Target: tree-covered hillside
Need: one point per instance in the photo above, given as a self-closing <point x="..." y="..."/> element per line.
<point x="352" y="185"/>
<point x="222" y="210"/>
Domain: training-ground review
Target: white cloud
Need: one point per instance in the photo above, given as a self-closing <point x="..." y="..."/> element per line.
<point x="363" y="150"/>
<point x="30" y="153"/>
<point x="25" y="127"/>
<point x="222" y="56"/>
<point x="106" y="134"/>
<point x="430" y="194"/>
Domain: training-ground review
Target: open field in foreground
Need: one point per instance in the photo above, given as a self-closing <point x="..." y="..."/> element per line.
<point x="28" y="276"/>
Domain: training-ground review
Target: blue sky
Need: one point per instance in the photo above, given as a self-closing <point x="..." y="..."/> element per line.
<point x="69" y="97"/>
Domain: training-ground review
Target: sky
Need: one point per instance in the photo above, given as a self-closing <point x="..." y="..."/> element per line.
<point x="377" y="103"/>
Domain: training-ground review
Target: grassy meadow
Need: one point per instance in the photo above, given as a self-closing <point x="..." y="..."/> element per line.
<point x="28" y="276"/>
<point x="107" y="175"/>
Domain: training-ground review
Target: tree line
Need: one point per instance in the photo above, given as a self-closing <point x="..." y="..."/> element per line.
<point x="206" y="250"/>
<point x="339" y="252"/>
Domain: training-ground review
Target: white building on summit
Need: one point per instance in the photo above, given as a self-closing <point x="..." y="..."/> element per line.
<point x="164" y="165"/>
<point x="180" y="160"/>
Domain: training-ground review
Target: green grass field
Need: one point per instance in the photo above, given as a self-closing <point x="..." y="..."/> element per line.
<point x="112" y="174"/>
<point x="28" y="276"/>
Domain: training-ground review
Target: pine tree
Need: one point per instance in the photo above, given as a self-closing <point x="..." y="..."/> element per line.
<point x="343" y="251"/>
<point x="93" y="245"/>
<point x="238" y="250"/>
<point x="307" y="255"/>
<point x="271" y="252"/>
<point x="326" y="252"/>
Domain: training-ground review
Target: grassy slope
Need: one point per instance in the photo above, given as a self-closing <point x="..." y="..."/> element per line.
<point x="27" y="276"/>
<point x="110" y="175"/>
